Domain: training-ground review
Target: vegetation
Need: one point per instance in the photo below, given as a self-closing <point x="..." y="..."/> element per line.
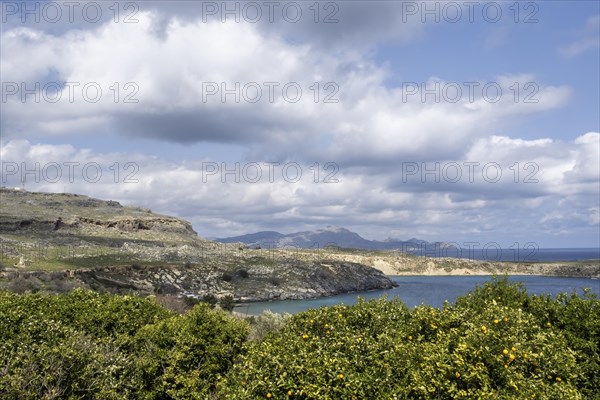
<point x="497" y="342"/>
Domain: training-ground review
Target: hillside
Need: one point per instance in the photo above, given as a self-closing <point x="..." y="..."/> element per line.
<point x="56" y="242"/>
<point x="59" y="241"/>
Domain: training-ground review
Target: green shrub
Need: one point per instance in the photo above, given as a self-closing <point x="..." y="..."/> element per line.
<point x="183" y="356"/>
<point x="487" y="345"/>
<point x="266" y="323"/>
<point x="227" y="303"/>
<point x="210" y="299"/>
<point x="69" y="346"/>
<point x="497" y="342"/>
<point x="86" y="345"/>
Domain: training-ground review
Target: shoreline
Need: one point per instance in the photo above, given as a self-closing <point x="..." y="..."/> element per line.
<point x="461" y="275"/>
<point x="393" y="264"/>
<point x="240" y="304"/>
<point x="558" y="274"/>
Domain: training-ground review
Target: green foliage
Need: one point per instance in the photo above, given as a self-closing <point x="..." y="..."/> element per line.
<point x="190" y="301"/>
<point x="266" y="323"/>
<point x="578" y="319"/>
<point x="86" y="345"/>
<point x="497" y="342"/>
<point x="210" y="299"/>
<point x="183" y="356"/>
<point x="69" y="346"/>
<point x="227" y="303"/>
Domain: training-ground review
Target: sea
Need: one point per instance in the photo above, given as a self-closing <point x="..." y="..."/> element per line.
<point x="430" y="290"/>
<point x="434" y="290"/>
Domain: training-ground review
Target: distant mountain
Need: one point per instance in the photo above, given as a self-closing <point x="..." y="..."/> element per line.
<point x="258" y="237"/>
<point x="320" y="238"/>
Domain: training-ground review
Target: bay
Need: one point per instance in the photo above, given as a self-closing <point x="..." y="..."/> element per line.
<point x="431" y="290"/>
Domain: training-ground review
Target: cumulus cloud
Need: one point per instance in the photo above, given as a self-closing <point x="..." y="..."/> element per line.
<point x="271" y="83"/>
<point x="222" y="199"/>
<point x="436" y="158"/>
<point x="221" y="68"/>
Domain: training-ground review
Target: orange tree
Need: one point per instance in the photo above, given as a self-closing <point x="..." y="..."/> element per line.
<point x="495" y="343"/>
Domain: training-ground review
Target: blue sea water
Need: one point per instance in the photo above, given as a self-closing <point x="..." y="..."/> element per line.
<point x="431" y="290"/>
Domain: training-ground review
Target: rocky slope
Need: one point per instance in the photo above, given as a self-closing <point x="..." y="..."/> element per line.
<point x="260" y="281"/>
<point x="248" y="275"/>
<point x="59" y="241"/>
<point x="30" y="212"/>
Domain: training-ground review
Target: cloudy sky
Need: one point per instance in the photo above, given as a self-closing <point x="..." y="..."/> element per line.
<point x="456" y="121"/>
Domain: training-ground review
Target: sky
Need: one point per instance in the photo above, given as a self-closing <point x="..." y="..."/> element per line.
<point x="469" y="122"/>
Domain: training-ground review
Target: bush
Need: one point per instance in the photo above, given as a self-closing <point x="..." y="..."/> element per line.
<point x="183" y="357"/>
<point x="173" y="303"/>
<point x="243" y="273"/>
<point x="227" y="303"/>
<point x="496" y="342"/>
<point x="239" y="274"/>
<point x="190" y="301"/>
<point x="227" y="277"/>
<point x="487" y="345"/>
<point x="24" y="284"/>
<point x="99" y="346"/>
<point x="210" y="299"/>
<point x="266" y="323"/>
<point x="69" y="346"/>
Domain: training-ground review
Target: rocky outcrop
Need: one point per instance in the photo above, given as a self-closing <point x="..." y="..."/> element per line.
<point x="31" y="212"/>
<point x="160" y="224"/>
<point x="246" y="283"/>
<point x="14" y="224"/>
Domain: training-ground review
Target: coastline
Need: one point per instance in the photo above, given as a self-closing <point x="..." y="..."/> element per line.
<point x="394" y="264"/>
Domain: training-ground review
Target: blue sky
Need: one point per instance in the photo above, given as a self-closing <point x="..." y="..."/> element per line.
<point x="368" y="142"/>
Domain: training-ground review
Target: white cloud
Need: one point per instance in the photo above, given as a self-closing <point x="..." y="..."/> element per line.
<point x="373" y="132"/>
<point x="370" y="118"/>
<point x="220" y="206"/>
<point x="589" y="39"/>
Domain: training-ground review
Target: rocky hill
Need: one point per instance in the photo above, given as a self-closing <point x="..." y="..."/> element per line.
<point x="330" y="236"/>
<point x="31" y="212"/>
<point x="58" y="241"/>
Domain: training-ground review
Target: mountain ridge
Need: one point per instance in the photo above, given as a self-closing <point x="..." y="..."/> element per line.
<point x="330" y="236"/>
